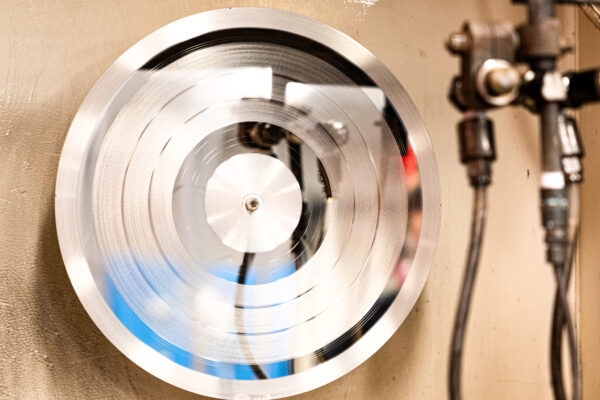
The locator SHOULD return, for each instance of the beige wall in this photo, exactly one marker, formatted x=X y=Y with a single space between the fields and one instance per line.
x=589 y=271
x=51 y=53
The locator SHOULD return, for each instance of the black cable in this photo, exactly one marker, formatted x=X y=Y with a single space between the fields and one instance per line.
x=244 y=266
x=558 y=320
x=558 y=323
x=566 y=316
x=258 y=371
x=462 y=313
x=558 y=386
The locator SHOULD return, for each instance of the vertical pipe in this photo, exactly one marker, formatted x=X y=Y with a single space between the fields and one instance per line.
x=551 y=147
x=540 y=9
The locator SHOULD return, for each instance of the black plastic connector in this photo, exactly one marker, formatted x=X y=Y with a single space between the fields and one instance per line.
x=555 y=214
x=584 y=88
x=477 y=149
x=572 y=149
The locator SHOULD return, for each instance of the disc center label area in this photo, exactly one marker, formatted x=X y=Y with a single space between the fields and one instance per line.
x=253 y=202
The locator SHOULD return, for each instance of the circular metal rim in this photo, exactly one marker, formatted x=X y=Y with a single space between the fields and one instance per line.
x=88 y=120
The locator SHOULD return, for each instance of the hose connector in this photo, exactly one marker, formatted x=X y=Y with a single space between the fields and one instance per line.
x=555 y=216
x=572 y=149
x=477 y=149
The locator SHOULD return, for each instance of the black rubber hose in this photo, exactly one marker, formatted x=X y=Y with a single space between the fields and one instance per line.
x=462 y=313
x=260 y=374
x=244 y=268
x=558 y=321
x=568 y=321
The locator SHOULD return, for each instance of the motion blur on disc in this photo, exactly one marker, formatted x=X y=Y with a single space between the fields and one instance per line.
x=247 y=204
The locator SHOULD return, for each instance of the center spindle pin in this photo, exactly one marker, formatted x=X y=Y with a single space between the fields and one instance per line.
x=252 y=203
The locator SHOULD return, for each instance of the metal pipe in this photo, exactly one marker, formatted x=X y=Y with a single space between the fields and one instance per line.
x=539 y=10
x=542 y=9
x=551 y=146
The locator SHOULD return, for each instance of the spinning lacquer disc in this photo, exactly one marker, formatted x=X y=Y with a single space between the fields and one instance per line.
x=247 y=203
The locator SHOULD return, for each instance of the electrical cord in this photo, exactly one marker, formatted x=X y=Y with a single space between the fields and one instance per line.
x=564 y=304
x=477 y=151
x=559 y=321
x=244 y=267
x=462 y=314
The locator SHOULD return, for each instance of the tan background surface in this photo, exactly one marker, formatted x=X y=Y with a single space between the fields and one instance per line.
x=52 y=52
x=589 y=273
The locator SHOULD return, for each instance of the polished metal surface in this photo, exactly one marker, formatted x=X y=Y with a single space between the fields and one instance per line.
x=247 y=204
x=253 y=202
x=497 y=82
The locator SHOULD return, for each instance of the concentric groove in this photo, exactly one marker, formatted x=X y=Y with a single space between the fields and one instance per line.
x=164 y=285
